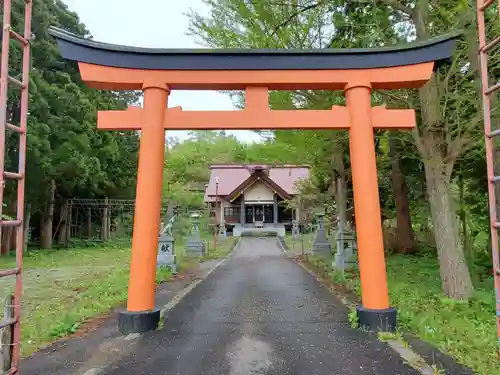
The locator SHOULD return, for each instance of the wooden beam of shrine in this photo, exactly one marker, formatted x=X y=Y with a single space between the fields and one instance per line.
x=177 y=119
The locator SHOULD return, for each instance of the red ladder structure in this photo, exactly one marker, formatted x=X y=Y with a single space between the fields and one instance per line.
x=5 y=79
x=489 y=133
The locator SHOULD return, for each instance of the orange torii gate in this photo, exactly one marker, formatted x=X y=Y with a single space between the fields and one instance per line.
x=157 y=72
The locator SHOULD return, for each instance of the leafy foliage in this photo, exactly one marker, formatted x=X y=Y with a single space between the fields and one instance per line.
x=63 y=143
x=449 y=108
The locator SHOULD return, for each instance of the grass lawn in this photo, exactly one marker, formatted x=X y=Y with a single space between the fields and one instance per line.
x=62 y=288
x=304 y=242
x=466 y=330
x=222 y=249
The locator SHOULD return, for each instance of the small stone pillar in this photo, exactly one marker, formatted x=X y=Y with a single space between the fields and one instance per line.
x=340 y=251
x=195 y=247
x=321 y=246
x=345 y=254
x=351 y=260
x=295 y=229
x=166 y=253
x=222 y=229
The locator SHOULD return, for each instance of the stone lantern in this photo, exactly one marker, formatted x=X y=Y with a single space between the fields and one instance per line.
x=321 y=246
x=195 y=247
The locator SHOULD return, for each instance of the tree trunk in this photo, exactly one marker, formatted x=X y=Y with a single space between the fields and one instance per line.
x=338 y=187
x=27 y=219
x=104 y=221
x=405 y=237
x=463 y=220
x=433 y=146
x=69 y=218
x=454 y=271
x=5 y=245
x=89 y=222
x=47 y=219
x=108 y=224
x=341 y=201
x=13 y=237
x=455 y=274
x=63 y=227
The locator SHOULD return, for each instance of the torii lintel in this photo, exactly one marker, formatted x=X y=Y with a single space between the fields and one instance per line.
x=256 y=115
x=178 y=119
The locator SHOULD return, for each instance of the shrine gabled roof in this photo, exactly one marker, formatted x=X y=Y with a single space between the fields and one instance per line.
x=231 y=176
x=73 y=47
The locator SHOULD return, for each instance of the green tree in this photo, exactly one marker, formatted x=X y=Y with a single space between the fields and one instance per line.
x=66 y=156
x=187 y=165
x=448 y=107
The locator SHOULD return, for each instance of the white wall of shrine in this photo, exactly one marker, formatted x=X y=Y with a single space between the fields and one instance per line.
x=259 y=192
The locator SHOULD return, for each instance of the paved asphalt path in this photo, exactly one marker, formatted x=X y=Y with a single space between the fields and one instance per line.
x=260 y=313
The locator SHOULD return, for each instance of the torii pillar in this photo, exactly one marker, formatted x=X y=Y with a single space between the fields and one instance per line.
x=375 y=310
x=355 y=71
x=141 y=314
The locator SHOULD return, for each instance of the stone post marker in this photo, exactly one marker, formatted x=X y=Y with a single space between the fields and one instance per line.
x=321 y=245
x=295 y=229
x=340 y=256
x=166 y=252
x=195 y=247
x=345 y=254
x=351 y=256
x=222 y=229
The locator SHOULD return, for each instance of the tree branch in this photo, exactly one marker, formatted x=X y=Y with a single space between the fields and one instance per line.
x=394 y=97
x=418 y=141
x=296 y=14
x=395 y=4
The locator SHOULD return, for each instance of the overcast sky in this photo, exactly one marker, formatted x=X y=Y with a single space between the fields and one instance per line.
x=156 y=24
